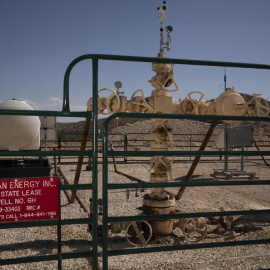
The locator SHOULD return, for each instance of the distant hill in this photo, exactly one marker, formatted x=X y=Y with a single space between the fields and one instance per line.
x=77 y=128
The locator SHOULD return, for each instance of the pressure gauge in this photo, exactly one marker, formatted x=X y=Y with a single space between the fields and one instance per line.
x=118 y=84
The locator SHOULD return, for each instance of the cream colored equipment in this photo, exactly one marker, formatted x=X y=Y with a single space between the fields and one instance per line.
x=18 y=132
x=227 y=103
x=159 y=201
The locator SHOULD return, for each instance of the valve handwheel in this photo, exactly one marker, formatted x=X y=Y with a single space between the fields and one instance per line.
x=143 y=102
x=109 y=101
x=195 y=92
x=196 y=103
x=169 y=80
x=259 y=105
x=138 y=233
x=194 y=229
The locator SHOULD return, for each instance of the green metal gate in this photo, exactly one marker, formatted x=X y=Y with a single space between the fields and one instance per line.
x=92 y=185
x=106 y=187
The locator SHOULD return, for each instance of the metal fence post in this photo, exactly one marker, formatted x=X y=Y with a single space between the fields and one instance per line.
x=125 y=145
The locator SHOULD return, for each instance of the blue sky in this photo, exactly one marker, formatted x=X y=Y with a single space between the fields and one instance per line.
x=40 y=38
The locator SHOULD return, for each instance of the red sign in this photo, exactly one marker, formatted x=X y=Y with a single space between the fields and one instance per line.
x=29 y=199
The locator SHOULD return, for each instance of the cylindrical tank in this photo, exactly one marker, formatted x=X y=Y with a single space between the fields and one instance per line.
x=228 y=103
x=18 y=132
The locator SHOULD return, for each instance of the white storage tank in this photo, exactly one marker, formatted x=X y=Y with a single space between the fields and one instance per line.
x=18 y=132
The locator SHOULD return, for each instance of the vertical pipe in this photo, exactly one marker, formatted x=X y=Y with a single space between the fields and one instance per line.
x=59 y=234
x=226 y=158
x=105 y=201
x=95 y=162
x=59 y=147
x=125 y=145
x=242 y=159
x=190 y=145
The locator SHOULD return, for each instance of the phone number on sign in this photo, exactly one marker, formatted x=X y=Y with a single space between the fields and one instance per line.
x=10 y=209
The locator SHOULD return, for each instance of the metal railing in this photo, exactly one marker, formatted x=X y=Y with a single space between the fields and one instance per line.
x=132 y=140
x=106 y=187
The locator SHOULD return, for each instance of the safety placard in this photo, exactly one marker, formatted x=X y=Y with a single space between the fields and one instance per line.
x=29 y=199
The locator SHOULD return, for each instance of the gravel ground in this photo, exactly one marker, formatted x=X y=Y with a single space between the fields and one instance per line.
x=76 y=238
